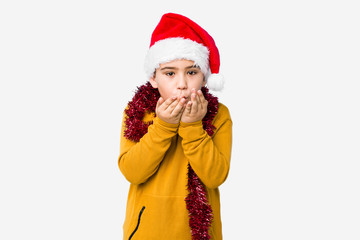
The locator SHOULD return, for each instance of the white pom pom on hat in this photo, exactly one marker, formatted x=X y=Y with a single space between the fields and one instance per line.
x=178 y=37
x=215 y=82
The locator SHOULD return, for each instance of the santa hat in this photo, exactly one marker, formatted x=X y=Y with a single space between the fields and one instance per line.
x=178 y=37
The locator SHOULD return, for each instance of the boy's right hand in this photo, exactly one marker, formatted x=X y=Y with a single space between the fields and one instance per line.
x=170 y=110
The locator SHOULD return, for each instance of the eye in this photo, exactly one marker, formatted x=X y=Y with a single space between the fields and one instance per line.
x=192 y=72
x=169 y=74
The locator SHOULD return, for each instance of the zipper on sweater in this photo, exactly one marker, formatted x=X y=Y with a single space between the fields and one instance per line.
x=137 y=226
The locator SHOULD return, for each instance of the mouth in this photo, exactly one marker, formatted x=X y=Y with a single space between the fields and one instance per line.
x=186 y=98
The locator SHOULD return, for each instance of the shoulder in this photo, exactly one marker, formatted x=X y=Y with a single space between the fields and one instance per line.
x=223 y=111
x=222 y=115
x=148 y=116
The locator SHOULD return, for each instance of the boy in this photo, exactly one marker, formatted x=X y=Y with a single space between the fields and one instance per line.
x=176 y=138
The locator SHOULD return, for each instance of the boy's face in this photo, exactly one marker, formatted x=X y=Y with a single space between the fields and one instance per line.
x=177 y=78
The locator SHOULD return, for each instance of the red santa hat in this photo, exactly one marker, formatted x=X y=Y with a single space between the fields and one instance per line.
x=178 y=37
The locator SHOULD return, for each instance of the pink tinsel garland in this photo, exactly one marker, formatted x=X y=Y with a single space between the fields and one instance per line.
x=144 y=100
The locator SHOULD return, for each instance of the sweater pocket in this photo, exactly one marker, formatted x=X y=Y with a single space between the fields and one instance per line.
x=164 y=218
x=138 y=222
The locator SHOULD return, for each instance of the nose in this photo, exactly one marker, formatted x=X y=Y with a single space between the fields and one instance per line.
x=181 y=82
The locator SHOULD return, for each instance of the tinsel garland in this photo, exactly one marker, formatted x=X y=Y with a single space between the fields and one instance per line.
x=144 y=100
x=197 y=204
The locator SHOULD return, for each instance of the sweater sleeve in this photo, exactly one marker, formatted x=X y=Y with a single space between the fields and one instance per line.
x=140 y=160
x=209 y=156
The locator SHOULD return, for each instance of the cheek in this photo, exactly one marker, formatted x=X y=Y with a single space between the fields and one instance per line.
x=197 y=83
x=167 y=91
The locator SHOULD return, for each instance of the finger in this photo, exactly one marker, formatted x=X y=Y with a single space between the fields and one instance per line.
x=168 y=102
x=159 y=102
x=183 y=110
x=179 y=107
x=194 y=107
x=198 y=101
x=188 y=107
x=201 y=96
x=172 y=106
x=204 y=102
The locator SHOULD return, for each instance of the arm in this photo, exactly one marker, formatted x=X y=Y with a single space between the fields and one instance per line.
x=209 y=156
x=140 y=160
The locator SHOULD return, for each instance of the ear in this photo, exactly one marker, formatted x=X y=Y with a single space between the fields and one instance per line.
x=153 y=82
x=204 y=82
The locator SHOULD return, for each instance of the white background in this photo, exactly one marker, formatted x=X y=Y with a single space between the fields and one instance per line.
x=68 y=68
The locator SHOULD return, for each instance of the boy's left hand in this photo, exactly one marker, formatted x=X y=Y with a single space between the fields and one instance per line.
x=195 y=109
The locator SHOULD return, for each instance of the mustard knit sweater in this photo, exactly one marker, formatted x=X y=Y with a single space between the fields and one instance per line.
x=156 y=168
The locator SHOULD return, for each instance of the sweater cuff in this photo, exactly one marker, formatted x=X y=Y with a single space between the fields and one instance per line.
x=166 y=127
x=191 y=131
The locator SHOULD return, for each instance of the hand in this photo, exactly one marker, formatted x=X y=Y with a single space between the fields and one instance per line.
x=170 y=111
x=195 y=109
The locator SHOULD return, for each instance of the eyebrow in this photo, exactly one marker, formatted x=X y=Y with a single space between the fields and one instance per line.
x=171 y=68
x=193 y=66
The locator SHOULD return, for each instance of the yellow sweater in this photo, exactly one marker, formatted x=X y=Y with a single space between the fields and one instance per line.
x=156 y=168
